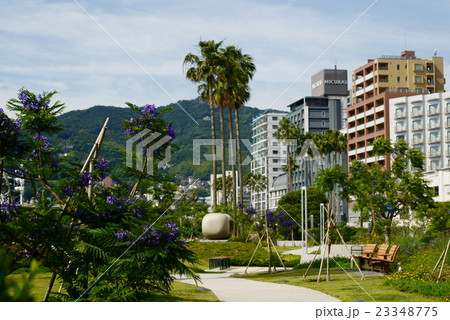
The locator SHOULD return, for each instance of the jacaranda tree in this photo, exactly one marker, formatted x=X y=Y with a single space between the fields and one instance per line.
x=110 y=245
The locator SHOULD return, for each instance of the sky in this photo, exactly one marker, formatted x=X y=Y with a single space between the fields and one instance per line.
x=108 y=52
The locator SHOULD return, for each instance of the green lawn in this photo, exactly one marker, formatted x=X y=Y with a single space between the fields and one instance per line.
x=181 y=291
x=345 y=287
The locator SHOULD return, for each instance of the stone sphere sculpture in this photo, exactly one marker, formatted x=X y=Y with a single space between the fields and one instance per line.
x=216 y=226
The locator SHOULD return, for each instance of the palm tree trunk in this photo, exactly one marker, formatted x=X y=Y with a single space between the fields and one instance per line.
x=224 y=176
x=214 y=151
x=239 y=154
x=233 y=167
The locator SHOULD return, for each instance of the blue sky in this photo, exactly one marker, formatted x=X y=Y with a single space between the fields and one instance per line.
x=134 y=50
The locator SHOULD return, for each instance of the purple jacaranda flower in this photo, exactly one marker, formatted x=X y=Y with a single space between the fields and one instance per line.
x=121 y=234
x=85 y=178
x=102 y=164
x=67 y=190
x=149 y=111
x=170 y=132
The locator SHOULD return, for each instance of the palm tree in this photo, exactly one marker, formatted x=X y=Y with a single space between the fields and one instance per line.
x=288 y=131
x=204 y=69
x=239 y=70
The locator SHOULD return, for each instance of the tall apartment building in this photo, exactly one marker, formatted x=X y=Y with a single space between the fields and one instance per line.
x=423 y=121
x=318 y=113
x=268 y=154
x=374 y=84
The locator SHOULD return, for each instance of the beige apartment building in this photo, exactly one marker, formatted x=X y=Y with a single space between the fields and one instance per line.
x=373 y=84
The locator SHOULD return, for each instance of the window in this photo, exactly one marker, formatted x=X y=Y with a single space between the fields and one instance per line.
x=447 y=107
x=398 y=79
x=417 y=67
x=417 y=138
x=418 y=79
x=401 y=137
x=400 y=126
x=274 y=126
x=448 y=150
x=275 y=169
x=434 y=136
x=433 y=108
x=399 y=112
x=274 y=151
x=433 y=123
x=274 y=160
x=417 y=124
x=448 y=122
x=274 y=118
x=435 y=151
x=434 y=164
x=416 y=110
x=398 y=68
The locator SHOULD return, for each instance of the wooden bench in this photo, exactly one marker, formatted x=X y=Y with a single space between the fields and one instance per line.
x=219 y=262
x=366 y=255
x=383 y=261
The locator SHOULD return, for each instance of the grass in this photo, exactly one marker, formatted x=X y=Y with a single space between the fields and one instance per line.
x=181 y=292
x=239 y=253
x=345 y=287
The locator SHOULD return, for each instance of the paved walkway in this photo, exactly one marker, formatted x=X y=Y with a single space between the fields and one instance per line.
x=337 y=250
x=231 y=289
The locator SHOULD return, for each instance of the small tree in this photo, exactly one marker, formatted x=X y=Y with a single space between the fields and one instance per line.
x=383 y=194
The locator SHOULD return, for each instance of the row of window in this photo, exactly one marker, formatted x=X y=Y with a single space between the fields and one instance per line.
x=433 y=137
x=417 y=110
x=418 y=124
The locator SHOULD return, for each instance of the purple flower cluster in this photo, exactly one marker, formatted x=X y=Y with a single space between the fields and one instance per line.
x=250 y=210
x=9 y=209
x=152 y=236
x=102 y=164
x=148 y=112
x=68 y=190
x=170 y=132
x=85 y=178
x=9 y=130
x=32 y=102
x=45 y=145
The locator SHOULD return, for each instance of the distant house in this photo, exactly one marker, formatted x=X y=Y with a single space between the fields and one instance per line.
x=206 y=118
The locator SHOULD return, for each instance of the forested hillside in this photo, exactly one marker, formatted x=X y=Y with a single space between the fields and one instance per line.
x=83 y=126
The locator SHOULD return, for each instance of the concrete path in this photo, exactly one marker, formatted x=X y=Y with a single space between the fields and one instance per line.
x=337 y=250
x=231 y=289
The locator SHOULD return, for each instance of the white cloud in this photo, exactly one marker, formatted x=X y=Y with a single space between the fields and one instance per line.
x=50 y=44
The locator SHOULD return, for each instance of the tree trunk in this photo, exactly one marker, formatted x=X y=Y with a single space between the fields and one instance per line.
x=214 y=151
x=239 y=153
x=387 y=232
x=233 y=168
x=224 y=176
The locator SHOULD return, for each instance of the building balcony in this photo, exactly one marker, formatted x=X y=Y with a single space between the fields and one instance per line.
x=380 y=120
x=369 y=88
x=351 y=130
x=361 y=150
x=370 y=124
x=351 y=119
x=379 y=108
x=352 y=152
x=359 y=81
x=360 y=116
x=368 y=76
x=360 y=92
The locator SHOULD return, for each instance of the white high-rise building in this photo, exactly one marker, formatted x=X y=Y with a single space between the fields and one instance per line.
x=423 y=121
x=268 y=154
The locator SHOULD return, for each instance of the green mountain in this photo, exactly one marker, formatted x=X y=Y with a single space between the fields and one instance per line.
x=83 y=126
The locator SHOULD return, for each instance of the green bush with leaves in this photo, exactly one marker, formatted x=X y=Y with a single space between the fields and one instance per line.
x=104 y=243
